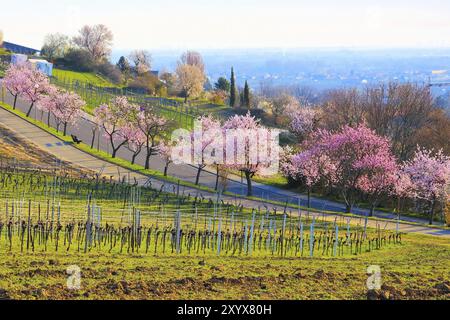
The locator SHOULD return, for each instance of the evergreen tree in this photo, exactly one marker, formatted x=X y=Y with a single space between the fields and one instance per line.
x=222 y=84
x=246 y=95
x=232 y=89
x=124 y=66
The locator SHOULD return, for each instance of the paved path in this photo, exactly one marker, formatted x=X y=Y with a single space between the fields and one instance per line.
x=69 y=153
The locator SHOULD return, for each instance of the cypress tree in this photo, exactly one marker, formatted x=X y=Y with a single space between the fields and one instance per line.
x=232 y=89
x=246 y=95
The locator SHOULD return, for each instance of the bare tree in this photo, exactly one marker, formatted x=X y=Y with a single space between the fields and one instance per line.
x=193 y=58
x=280 y=102
x=97 y=40
x=342 y=107
x=142 y=60
x=55 y=45
x=399 y=111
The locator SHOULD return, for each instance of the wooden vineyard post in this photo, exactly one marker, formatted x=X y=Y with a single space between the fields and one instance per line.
x=311 y=239
x=252 y=229
x=219 y=238
x=178 y=229
x=301 y=239
x=336 y=240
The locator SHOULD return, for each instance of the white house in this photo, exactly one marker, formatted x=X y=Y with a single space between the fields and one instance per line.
x=18 y=58
x=42 y=65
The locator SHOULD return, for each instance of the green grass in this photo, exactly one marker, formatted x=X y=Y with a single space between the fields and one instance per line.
x=277 y=180
x=4 y=52
x=418 y=269
x=89 y=77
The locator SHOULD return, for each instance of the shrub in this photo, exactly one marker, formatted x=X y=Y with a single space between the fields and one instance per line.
x=77 y=60
x=110 y=71
x=148 y=83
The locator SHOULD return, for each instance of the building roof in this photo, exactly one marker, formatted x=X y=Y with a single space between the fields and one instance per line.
x=16 y=48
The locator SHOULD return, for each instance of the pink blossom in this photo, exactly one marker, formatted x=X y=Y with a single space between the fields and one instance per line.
x=428 y=175
x=352 y=160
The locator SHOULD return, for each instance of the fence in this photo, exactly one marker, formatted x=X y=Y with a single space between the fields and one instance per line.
x=183 y=115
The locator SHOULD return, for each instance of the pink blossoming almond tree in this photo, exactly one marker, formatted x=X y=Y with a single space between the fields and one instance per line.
x=17 y=80
x=136 y=140
x=112 y=118
x=205 y=139
x=64 y=106
x=165 y=150
x=252 y=149
x=428 y=178
x=38 y=87
x=302 y=120
x=152 y=126
x=354 y=160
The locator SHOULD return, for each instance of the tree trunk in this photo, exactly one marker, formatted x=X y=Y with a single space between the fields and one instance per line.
x=48 y=119
x=197 y=178
x=433 y=206
x=249 y=184
x=15 y=100
x=29 y=110
x=65 y=128
x=93 y=139
x=217 y=178
x=114 y=152
x=166 y=168
x=372 y=210
x=348 y=208
x=133 y=158
x=309 y=197
x=147 y=159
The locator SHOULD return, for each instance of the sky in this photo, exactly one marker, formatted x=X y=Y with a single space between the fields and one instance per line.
x=212 y=24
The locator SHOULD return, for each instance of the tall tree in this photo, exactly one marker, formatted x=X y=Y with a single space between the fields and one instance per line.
x=232 y=89
x=190 y=80
x=97 y=40
x=55 y=46
x=222 y=84
x=142 y=61
x=246 y=95
x=124 y=66
x=193 y=58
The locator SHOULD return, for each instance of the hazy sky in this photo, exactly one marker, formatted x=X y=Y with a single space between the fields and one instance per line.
x=201 y=24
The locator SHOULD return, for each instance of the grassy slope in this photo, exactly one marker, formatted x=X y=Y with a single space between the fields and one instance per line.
x=92 y=78
x=418 y=269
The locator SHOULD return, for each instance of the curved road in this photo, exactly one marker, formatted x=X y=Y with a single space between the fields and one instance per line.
x=83 y=131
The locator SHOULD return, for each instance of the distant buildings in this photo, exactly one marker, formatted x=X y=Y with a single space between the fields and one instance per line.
x=40 y=64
